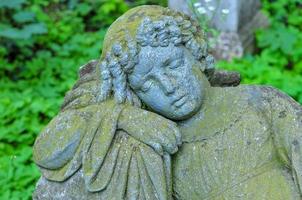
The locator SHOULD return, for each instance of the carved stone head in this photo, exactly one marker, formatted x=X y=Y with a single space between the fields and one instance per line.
x=158 y=57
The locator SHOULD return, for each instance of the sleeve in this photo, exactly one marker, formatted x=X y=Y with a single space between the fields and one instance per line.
x=286 y=116
x=84 y=135
x=114 y=164
x=132 y=171
x=59 y=150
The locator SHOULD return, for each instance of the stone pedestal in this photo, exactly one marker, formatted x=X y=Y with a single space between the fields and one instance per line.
x=235 y=20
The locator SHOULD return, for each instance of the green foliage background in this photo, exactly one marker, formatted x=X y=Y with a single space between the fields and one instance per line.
x=43 y=42
x=278 y=61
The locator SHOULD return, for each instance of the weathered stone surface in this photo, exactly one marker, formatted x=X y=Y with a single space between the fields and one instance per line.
x=247 y=32
x=145 y=122
x=67 y=190
x=227 y=46
x=236 y=26
x=222 y=78
x=239 y=12
x=237 y=148
x=218 y=78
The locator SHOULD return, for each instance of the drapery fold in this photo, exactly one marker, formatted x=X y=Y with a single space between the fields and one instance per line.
x=68 y=140
x=114 y=164
x=84 y=136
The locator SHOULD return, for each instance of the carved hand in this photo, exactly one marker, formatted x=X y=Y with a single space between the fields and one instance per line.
x=150 y=128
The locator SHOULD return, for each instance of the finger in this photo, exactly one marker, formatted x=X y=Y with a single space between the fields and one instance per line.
x=178 y=136
x=173 y=126
x=173 y=149
x=168 y=142
x=167 y=137
x=157 y=148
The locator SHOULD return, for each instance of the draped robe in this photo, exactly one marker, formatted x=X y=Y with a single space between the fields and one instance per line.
x=246 y=144
x=82 y=154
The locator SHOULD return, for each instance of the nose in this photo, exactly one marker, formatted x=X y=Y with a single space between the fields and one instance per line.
x=167 y=83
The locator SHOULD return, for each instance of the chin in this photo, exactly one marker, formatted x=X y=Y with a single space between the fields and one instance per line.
x=186 y=111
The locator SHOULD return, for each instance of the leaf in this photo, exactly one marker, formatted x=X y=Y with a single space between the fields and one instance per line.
x=286 y=38
x=35 y=28
x=295 y=18
x=25 y=33
x=13 y=33
x=24 y=16
x=84 y=8
x=11 y=3
x=106 y=8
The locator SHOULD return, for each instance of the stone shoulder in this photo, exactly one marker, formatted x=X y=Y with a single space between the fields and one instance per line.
x=265 y=99
x=264 y=92
x=280 y=104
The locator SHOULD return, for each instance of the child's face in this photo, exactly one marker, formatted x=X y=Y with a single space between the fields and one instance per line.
x=167 y=80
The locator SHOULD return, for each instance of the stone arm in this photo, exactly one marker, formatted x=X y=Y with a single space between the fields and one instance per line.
x=286 y=116
x=120 y=150
x=114 y=163
x=161 y=134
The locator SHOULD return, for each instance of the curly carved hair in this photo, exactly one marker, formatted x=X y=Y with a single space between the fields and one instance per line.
x=172 y=27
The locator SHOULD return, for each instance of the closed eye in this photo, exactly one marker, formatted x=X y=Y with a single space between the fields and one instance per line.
x=176 y=63
x=146 y=85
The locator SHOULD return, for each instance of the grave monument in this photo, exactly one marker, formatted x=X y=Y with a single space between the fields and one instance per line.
x=152 y=119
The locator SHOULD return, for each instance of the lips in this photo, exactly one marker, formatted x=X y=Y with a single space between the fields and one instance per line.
x=180 y=101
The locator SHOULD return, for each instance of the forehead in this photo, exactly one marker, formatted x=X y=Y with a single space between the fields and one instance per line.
x=152 y=57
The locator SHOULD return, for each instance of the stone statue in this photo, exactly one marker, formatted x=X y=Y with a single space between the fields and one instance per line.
x=146 y=122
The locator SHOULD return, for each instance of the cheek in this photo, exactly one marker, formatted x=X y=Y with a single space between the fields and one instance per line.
x=155 y=99
x=197 y=89
x=190 y=84
x=197 y=84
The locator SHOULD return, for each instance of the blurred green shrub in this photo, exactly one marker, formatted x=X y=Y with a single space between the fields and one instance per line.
x=278 y=61
x=42 y=45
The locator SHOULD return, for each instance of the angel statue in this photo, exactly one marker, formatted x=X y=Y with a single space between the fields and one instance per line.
x=147 y=122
